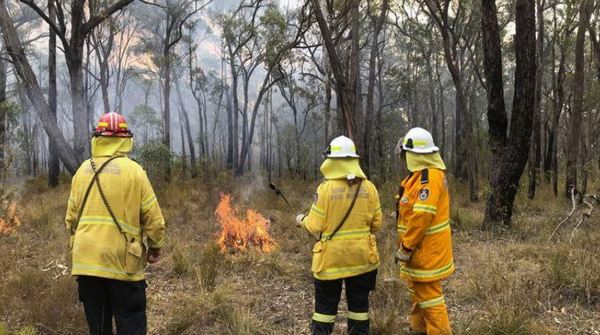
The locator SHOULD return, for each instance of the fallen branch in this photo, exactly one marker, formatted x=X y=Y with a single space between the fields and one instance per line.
x=585 y=200
x=568 y=216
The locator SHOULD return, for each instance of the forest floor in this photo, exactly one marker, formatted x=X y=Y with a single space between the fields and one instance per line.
x=510 y=282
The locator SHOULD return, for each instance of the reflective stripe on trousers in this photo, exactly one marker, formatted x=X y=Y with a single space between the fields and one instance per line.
x=327 y=298
x=429 y=313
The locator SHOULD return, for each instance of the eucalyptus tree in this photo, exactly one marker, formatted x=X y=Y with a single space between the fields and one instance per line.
x=256 y=34
x=575 y=130
x=162 y=34
x=509 y=144
x=23 y=68
x=452 y=19
x=73 y=25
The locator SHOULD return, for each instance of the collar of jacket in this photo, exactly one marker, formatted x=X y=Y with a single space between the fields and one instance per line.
x=342 y=168
x=417 y=162
x=109 y=146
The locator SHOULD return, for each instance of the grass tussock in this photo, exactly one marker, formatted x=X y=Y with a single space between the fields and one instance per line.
x=575 y=276
x=213 y=313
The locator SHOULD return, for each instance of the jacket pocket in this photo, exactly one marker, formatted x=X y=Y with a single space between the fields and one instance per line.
x=318 y=260
x=373 y=252
x=135 y=257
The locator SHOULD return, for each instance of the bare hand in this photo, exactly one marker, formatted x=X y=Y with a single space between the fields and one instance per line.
x=153 y=255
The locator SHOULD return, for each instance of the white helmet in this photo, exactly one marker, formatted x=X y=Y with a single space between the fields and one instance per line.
x=419 y=141
x=341 y=147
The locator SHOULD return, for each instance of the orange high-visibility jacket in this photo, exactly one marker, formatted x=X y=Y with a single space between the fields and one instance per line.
x=424 y=226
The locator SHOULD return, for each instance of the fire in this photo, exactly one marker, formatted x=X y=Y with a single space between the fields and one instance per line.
x=238 y=234
x=11 y=221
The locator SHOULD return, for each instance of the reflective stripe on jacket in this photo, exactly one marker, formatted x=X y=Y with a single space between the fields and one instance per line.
x=424 y=226
x=99 y=248
x=353 y=249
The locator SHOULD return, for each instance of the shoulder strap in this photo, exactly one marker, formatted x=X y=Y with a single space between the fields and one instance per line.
x=87 y=192
x=105 y=201
x=425 y=176
x=347 y=213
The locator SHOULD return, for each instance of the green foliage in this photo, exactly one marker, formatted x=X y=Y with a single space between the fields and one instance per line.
x=144 y=120
x=29 y=330
x=155 y=157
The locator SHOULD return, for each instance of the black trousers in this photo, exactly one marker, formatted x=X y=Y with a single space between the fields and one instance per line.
x=327 y=299
x=104 y=299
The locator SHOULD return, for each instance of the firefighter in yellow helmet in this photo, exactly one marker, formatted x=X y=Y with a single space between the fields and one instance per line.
x=111 y=209
x=425 y=243
x=345 y=216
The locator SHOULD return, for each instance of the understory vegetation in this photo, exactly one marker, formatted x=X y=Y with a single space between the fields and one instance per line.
x=507 y=282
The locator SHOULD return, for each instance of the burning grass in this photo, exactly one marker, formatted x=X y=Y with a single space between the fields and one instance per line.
x=11 y=221
x=241 y=234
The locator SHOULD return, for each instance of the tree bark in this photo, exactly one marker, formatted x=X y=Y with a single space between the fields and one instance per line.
x=53 y=161
x=465 y=159
x=34 y=92
x=3 y=110
x=575 y=130
x=370 y=108
x=509 y=154
x=342 y=85
x=535 y=152
x=188 y=131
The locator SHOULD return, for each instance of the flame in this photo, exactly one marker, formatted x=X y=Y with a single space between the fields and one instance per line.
x=238 y=234
x=11 y=221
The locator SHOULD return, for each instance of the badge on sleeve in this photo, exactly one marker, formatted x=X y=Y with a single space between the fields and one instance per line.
x=424 y=194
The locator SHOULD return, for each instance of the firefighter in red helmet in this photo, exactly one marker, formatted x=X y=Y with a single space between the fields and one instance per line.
x=112 y=209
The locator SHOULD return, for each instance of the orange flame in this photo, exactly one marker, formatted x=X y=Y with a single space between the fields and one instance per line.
x=237 y=234
x=11 y=221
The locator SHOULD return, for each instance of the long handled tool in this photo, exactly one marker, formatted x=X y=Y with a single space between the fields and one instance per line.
x=293 y=211
x=280 y=194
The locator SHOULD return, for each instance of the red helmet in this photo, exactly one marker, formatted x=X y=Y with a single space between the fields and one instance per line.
x=112 y=125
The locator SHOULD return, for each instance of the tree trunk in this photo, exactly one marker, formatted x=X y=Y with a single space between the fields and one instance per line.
x=465 y=158
x=442 y=108
x=188 y=131
x=230 y=134
x=342 y=84
x=377 y=26
x=53 y=162
x=3 y=110
x=167 y=99
x=535 y=152
x=354 y=77
x=23 y=68
x=247 y=145
x=574 y=134
x=509 y=155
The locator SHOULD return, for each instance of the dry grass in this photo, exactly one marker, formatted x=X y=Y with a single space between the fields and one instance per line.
x=513 y=282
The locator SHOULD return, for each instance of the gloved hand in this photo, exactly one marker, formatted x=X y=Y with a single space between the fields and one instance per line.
x=299 y=219
x=153 y=255
x=402 y=257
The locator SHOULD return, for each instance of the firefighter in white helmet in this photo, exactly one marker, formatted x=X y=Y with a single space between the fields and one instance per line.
x=424 y=243
x=346 y=215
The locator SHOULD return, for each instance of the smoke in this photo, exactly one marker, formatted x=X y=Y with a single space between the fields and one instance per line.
x=254 y=184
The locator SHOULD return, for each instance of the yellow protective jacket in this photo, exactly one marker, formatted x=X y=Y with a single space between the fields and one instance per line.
x=98 y=247
x=424 y=226
x=353 y=249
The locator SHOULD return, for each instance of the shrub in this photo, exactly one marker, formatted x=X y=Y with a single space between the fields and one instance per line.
x=156 y=159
